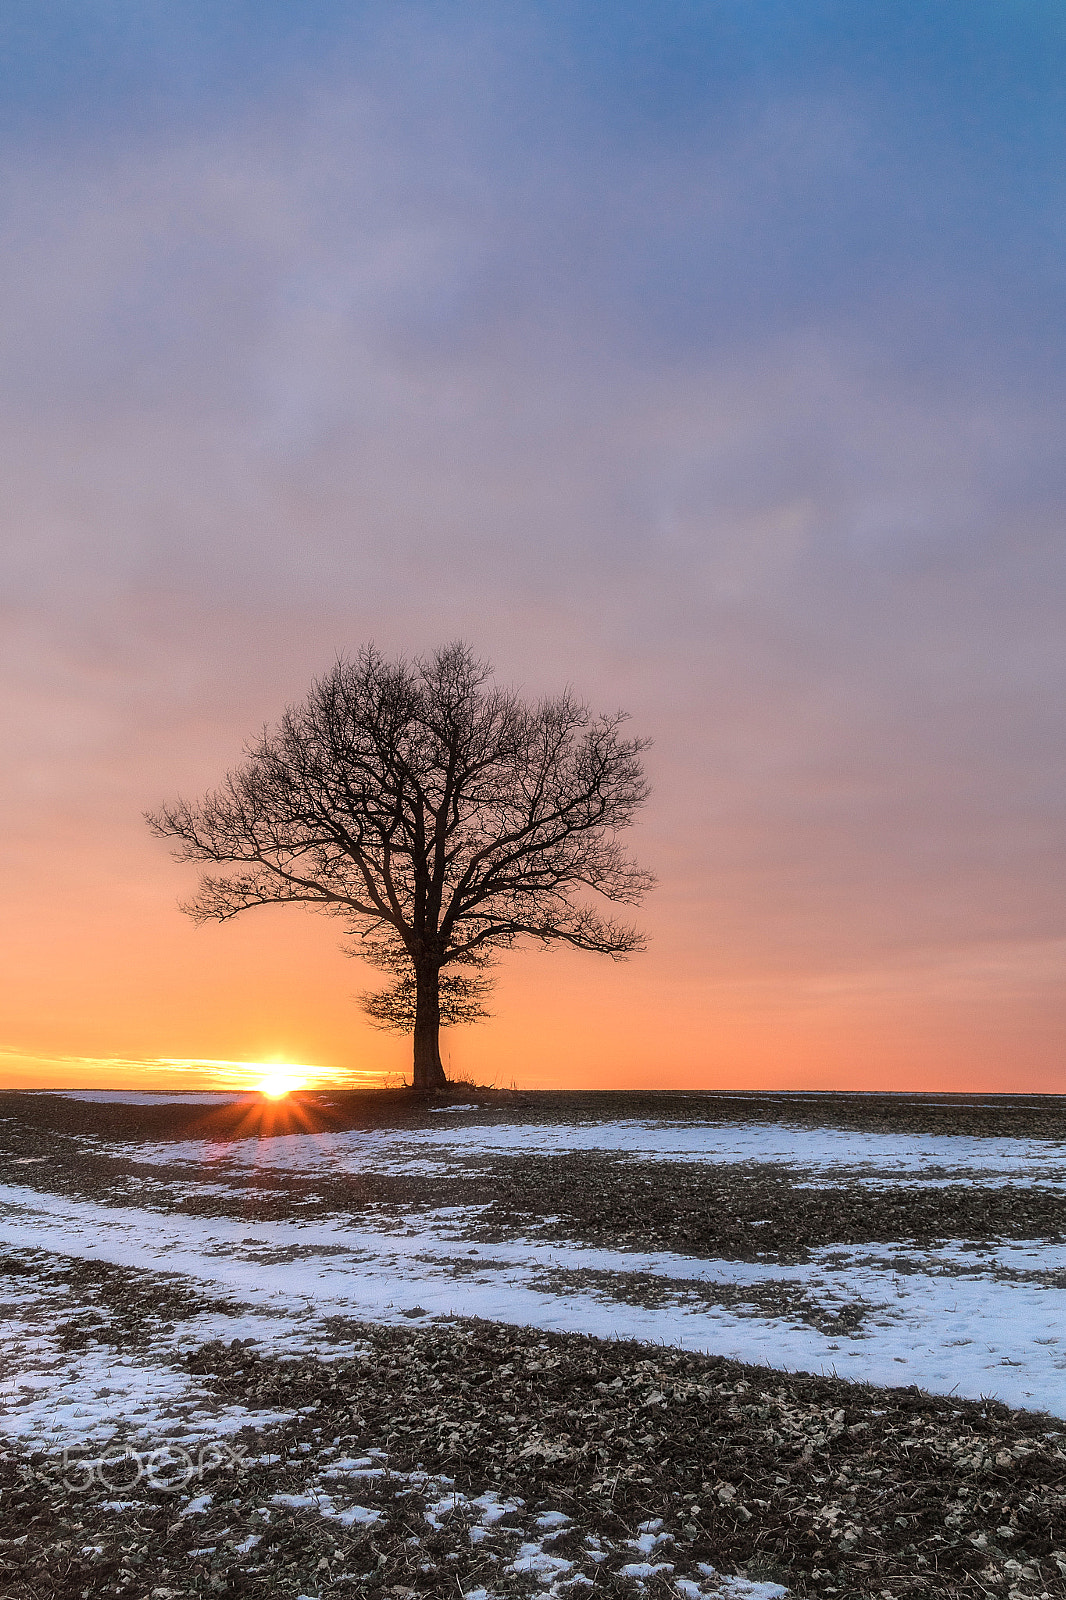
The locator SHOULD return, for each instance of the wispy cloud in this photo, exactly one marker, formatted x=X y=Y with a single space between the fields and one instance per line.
x=21 y=1068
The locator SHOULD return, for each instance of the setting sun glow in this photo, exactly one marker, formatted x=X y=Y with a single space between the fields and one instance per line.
x=279 y=1082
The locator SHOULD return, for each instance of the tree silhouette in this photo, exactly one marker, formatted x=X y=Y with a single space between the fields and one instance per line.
x=440 y=817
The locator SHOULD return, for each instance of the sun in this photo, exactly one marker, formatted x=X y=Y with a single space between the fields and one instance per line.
x=280 y=1081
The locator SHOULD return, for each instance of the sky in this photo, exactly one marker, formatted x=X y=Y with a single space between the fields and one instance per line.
x=707 y=357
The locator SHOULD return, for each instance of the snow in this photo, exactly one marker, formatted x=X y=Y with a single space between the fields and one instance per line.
x=130 y=1097
x=533 y=1558
x=951 y=1319
x=873 y=1157
x=649 y=1538
x=325 y=1507
x=83 y=1399
x=973 y=1335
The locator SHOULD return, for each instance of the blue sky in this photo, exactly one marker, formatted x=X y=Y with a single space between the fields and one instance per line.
x=709 y=357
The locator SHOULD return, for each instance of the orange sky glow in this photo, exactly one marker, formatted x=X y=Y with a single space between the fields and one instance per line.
x=141 y=998
x=704 y=361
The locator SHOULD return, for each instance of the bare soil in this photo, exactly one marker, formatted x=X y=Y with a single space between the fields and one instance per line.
x=827 y=1487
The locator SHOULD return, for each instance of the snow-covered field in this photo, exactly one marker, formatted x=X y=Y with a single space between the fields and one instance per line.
x=874 y=1156
x=975 y=1316
x=975 y=1321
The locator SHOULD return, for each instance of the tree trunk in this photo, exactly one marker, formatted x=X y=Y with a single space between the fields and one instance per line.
x=428 y=1070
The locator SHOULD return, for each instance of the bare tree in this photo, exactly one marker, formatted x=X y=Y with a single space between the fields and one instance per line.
x=439 y=817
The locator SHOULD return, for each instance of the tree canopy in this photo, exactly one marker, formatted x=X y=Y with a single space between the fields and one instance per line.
x=439 y=816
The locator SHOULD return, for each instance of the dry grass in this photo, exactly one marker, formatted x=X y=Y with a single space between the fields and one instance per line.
x=828 y=1487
